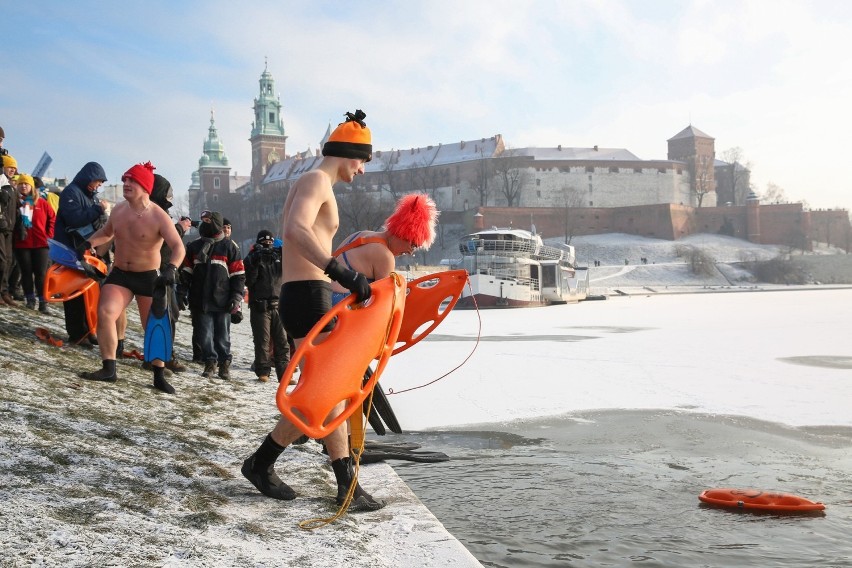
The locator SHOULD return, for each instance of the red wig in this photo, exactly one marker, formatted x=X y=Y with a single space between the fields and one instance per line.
x=414 y=220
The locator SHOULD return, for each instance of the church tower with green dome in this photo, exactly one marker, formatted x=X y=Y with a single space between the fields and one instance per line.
x=267 y=131
x=212 y=180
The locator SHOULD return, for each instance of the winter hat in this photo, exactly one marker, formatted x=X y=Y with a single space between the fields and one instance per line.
x=143 y=174
x=264 y=237
x=215 y=219
x=162 y=193
x=225 y=222
x=9 y=162
x=351 y=139
x=414 y=220
x=25 y=178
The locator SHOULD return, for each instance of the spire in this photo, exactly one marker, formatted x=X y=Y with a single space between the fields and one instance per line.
x=214 y=149
x=267 y=107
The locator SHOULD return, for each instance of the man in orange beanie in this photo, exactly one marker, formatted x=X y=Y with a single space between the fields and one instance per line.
x=309 y=222
x=139 y=231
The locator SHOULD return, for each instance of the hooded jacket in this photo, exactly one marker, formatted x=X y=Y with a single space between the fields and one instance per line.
x=212 y=275
x=78 y=207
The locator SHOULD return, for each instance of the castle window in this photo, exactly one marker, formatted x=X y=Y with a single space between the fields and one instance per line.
x=216 y=183
x=661 y=170
x=637 y=170
x=592 y=204
x=613 y=170
x=537 y=182
x=272 y=117
x=590 y=170
x=679 y=171
x=538 y=193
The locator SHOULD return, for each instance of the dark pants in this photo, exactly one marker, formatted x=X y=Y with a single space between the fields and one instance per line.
x=214 y=335
x=75 y=319
x=33 y=263
x=268 y=332
x=7 y=258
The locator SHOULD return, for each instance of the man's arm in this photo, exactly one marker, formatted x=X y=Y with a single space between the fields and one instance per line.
x=173 y=240
x=103 y=235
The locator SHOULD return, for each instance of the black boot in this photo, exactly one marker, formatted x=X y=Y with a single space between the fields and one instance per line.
x=259 y=468
x=119 y=349
x=160 y=382
x=106 y=373
x=209 y=368
x=361 y=500
x=224 y=370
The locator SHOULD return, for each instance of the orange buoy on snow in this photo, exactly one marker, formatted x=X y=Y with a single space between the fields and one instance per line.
x=333 y=367
x=757 y=500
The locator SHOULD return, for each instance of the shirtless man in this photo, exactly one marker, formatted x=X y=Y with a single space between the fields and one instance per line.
x=139 y=231
x=309 y=223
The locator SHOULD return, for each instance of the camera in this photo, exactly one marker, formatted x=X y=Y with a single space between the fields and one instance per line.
x=191 y=222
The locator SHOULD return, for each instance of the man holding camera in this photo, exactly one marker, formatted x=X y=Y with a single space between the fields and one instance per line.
x=263 y=279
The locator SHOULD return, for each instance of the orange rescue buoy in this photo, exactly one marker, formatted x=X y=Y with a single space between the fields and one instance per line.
x=757 y=500
x=333 y=367
x=423 y=312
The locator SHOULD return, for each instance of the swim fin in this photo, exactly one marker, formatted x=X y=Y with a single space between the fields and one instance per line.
x=158 y=331
x=378 y=452
x=381 y=408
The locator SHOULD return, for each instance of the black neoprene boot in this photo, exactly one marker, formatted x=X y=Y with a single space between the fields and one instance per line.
x=106 y=373
x=259 y=468
x=361 y=500
x=160 y=382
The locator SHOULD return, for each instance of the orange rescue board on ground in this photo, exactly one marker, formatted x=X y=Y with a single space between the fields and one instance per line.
x=332 y=369
x=757 y=500
x=423 y=304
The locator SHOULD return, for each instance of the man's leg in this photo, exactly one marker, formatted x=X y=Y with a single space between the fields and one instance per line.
x=259 y=319
x=281 y=347
x=222 y=343
x=113 y=300
x=203 y=325
x=157 y=366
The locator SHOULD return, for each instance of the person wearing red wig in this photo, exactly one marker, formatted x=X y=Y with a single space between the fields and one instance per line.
x=373 y=253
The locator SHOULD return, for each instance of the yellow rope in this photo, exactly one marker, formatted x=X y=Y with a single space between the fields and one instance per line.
x=358 y=434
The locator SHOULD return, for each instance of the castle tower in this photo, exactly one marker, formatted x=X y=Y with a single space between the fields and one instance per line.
x=698 y=150
x=213 y=172
x=268 y=141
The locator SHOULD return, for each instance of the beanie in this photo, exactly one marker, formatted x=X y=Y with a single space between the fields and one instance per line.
x=414 y=220
x=225 y=222
x=143 y=174
x=162 y=193
x=215 y=219
x=9 y=162
x=264 y=236
x=351 y=139
x=25 y=178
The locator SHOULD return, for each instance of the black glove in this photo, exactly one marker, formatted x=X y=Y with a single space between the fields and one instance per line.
x=82 y=249
x=167 y=276
x=237 y=316
x=353 y=281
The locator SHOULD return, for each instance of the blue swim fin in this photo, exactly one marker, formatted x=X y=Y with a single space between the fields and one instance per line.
x=158 y=331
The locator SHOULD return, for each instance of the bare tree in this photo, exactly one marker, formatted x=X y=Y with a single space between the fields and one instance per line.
x=774 y=193
x=392 y=179
x=483 y=176
x=359 y=210
x=571 y=199
x=512 y=175
x=701 y=173
x=735 y=185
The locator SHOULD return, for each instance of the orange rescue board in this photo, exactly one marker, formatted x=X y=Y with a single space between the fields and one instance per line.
x=423 y=305
x=332 y=369
x=758 y=500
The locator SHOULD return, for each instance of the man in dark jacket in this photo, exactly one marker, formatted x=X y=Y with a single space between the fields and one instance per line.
x=80 y=214
x=263 y=279
x=8 y=214
x=212 y=282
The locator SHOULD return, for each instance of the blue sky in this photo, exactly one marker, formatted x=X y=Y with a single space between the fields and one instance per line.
x=121 y=83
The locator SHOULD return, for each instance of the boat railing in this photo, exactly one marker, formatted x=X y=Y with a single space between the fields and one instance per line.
x=508 y=274
x=509 y=248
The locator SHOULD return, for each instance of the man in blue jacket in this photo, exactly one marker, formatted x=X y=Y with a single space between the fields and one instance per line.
x=79 y=215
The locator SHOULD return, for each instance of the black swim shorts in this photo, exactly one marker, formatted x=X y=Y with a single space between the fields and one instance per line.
x=140 y=283
x=302 y=305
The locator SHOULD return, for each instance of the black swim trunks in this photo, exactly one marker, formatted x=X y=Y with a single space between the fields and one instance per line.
x=140 y=283
x=302 y=305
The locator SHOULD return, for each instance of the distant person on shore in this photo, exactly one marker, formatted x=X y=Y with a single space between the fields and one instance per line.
x=212 y=282
x=263 y=280
x=8 y=215
x=36 y=223
x=80 y=214
x=139 y=231
x=309 y=222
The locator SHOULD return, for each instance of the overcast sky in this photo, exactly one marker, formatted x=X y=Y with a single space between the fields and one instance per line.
x=124 y=82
